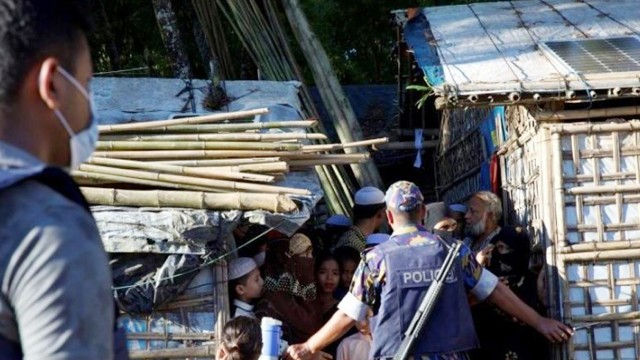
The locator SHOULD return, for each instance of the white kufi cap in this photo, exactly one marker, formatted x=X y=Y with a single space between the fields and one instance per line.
x=369 y=195
x=240 y=267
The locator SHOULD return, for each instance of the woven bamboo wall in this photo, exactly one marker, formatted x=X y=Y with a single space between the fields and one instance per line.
x=598 y=228
x=188 y=326
x=577 y=186
x=521 y=180
x=459 y=154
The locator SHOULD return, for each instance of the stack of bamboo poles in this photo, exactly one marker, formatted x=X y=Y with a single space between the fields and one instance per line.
x=216 y=161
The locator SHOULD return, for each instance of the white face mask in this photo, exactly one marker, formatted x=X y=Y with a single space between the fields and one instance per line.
x=82 y=144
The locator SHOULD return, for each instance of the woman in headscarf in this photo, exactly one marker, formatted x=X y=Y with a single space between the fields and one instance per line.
x=501 y=336
x=439 y=220
x=290 y=290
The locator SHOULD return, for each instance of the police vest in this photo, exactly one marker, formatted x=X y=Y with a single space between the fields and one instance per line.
x=409 y=271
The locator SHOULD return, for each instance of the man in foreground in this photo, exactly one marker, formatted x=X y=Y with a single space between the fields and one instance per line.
x=55 y=281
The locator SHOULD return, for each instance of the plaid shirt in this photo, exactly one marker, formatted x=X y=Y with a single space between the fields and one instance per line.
x=370 y=278
x=353 y=238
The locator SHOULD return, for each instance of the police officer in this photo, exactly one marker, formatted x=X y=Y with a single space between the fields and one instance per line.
x=392 y=279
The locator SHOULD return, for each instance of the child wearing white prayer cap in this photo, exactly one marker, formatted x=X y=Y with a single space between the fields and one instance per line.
x=245 y=285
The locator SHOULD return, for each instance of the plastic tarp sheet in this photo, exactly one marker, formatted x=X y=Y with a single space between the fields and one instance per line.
x=186 y=231
x=493 y=47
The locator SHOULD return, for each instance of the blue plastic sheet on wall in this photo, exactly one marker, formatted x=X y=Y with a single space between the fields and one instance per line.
x=489 y=130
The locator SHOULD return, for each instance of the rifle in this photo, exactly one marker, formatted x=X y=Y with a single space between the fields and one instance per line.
x=428 y=303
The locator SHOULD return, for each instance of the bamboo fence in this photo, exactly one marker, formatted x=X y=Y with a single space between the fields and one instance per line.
x=193 y=163
x=577 y=184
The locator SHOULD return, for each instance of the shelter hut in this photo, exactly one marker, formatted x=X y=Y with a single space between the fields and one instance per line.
x=169 y=263
x=539 y=102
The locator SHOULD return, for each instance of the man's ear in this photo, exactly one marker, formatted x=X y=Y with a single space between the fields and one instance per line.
x=48 y=83
x=390 y=219
x=423 y=212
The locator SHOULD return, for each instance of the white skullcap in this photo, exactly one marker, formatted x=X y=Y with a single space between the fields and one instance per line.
x=458 y=208
x=369 y=195
x=339 y=220
x=240 y=267
x=377 y=238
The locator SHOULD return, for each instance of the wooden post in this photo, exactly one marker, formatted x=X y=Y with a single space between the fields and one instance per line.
x=338 y=105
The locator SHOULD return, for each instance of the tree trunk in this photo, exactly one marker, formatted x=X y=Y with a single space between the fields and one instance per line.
x=208 y=56
x=168 y=23
x=111 y=47
x=332 y=94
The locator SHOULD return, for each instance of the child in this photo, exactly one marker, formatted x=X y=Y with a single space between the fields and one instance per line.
x=356 y=346
x=241 y=340
x=245 y=285
x=327 y=280
x=348 y=260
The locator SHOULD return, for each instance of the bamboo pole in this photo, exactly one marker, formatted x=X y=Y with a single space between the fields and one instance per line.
x=221 y=154
x=191 y=154
x=180 y=179
x=221 y=293
x=593 y=256
x=563 y=115
x=311 y=156
x=277 y=203
x=561 y=291
x=270 y=167
x=305 y=163
x=338 y=105
x=589 y=128
x=601 y=189
x=217 y=137
x=218 y=162
x=195 y=145
x=183 y=121
x=129 y=180
x=211 y=173
x=329 y=147
x=600 y=246
x=212 y=128
x=632 y=315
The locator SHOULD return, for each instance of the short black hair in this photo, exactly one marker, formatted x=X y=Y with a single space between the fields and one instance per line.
x=361 y=212
x=326 y=256
x=346 y=253
x=30 y=30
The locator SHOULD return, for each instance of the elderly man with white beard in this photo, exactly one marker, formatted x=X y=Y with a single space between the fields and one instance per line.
x=484 y=211
x=504 y=251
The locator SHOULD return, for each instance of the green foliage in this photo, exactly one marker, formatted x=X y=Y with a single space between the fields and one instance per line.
x=127 y=37
x=356 y=34
x=427 y=90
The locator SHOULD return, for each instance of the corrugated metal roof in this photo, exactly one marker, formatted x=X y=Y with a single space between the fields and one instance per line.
x=486 y=49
